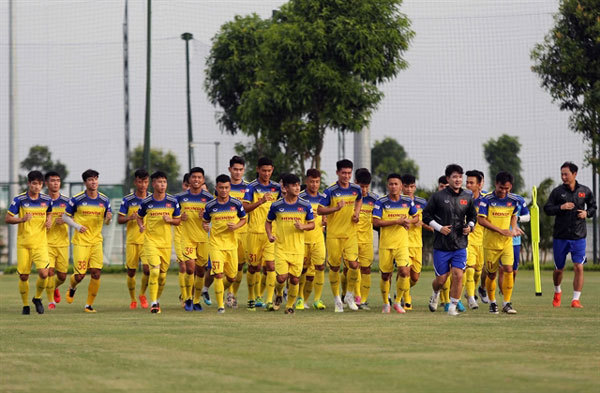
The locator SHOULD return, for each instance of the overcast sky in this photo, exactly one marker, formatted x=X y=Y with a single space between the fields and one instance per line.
x=469 y=80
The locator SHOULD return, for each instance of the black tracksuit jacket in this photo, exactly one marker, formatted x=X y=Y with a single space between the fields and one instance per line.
x=567 y=225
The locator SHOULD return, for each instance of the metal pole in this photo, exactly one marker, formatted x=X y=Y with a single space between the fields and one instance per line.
x=217 y=159
x=362 y=148
x=126 y=98
x=595 y=192
x=13 y=164
x=148 y=85
x=187 y=37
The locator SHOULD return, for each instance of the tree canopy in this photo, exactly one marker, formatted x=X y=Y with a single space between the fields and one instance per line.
x=502 y=154
x=40 y=158
x=388 y=156
x=159 y=161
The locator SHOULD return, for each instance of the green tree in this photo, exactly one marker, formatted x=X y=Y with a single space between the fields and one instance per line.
x=40 y=159
x=314 y=66
x=568 y=63
x=159 y=161
x=388 y=156
x=502 y=154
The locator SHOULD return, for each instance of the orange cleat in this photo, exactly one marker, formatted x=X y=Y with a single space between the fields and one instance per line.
x=556 y=299
x=133 y=305
x=51 y=306
x=143 y=301
x=56 y=295
x=576 y=304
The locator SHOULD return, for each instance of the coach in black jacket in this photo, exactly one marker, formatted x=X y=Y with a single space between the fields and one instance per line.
x=571 y=203
x=452 y=214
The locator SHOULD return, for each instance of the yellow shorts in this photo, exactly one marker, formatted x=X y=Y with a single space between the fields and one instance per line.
x=388 y=255
x=26 y=256
x=342 y=248
x=415 y=256
x=475 y=257
x=87 y=257
x=133 y=255
x=365 y=254
x=59 y=258
x=259 y=249
x=224 y=261
x=195 y=251
x=179 y=251
x=158 y=257
x=286 y=263
x=241 y=247
x=493 y=258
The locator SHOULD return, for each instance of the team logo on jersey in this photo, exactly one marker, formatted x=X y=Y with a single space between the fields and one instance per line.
x=387 y=206
x=464 y=202
x=273 y=189
x=581 y=195
x=493 y=203
x=353 y=192
x=404 y=205
x=150 y=206
x=370 y=203
x=446 y=200
x=63 y=205
x=168 y=205
x=300 y=209
x=281 y=209
x=101 y=204
x=214 y=209
x=185 y=199
x=134 y=204
x=84 y=203
x=337 y=194
x=232 y=208
x=26 y=204
x=203 y=199
x=509 y=204
x=43 y=204
x=563 y=195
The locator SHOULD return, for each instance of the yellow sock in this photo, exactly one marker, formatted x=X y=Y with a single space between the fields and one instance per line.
x=357 y=284
x=153 y=284
x=24 y=291
x=93 y=289
x=270 y=284
x=40 y=287
x=412 y=283
x=279 y=287
x=308 y=286
x=402 y=286
x=445 y=293
x=384 y=285
x=131 y=287
x=301 y=284
x=227 y=284
x=250 y=282
x=263 y=283
x=162 y=281
x=181 y=279
x=344 y=278
x=353 y=275
x=365 y=286
x=189 y=283
x=50 y=288
x=145 y=280
x=58 y=281
x=490 y=286
x=318 y=284
x=238 y=281
x=507 y=286
x=476 y=276
x=470 y=282
x=73 y=282
x=292 y=295
x=198 y=285
x=407 y=296
x=219 y=289
x=334 y=282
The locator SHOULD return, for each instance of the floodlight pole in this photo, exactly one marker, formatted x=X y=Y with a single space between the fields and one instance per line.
x=362 y=149
x=13 y=159
x=126 y=97
x=148 y=86
x=187 y=37
x=595 y=174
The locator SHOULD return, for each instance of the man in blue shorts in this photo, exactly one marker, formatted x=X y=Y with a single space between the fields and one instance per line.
x=571 y=203
x=451 y=213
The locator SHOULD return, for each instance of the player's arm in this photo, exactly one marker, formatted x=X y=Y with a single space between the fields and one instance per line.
x=516 y=231
x=48 y=219
x=590 y=202
x=14 y=219
x=357 y=206
x=553 y=206
x=123 y=218
x=379 y=222
x=71 y=222
x=269 y=230
x=484 y=222
x=234 y=226
x=139 y=218
x=172 y=220
x=429 y=217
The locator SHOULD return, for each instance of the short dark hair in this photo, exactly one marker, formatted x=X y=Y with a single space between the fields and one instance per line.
x=345 y=163
x=186 y=178
x=407 y=178
x=290 y=178
x=504 y=177
x=35 y=175
x=362 y=176
x=141 y=174
x=394 y=176
x=450 y=169
x=89 y=173
x=196 y=169
x=314 y=173
x=572 y=167
x=158 y=175
x=223 y=179
x=476 y=174
x=50 y=174
x=264 y=161
x=442 y=180
x=237 y=160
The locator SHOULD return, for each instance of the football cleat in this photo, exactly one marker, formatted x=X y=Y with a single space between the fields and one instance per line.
x=26 y=310
x=206 y=298
x=319 y=305
x=188 y=305
x=493 y=308
x=289 y=311
x=576 y=304
x=483 y=295
x=385 y=309
x=433 y=303
x=70 y=295
x=398 y=308
x=52 y=306
x=251 y=306
x=133 y=305
x=278 y=301
x=197 y=307
x=155 y=309
x=349 y=300
x=89 y=309
x=56 y=295
x=508 y=309
x=270 y=307
x=143 y=301
x=39 y=307
x=556 y=299
x=221 y=310
x=460 y=307
x=299 y=304
x=259 y=302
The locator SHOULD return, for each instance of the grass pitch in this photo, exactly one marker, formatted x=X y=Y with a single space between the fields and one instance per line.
x=541 y=349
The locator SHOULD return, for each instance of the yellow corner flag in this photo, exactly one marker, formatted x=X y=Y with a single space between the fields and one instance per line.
x=535 y=241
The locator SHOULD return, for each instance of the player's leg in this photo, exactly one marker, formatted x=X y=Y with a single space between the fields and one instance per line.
x=271 y=276
x=295 y=262
x=302 y=285
x=208 y=280
x=51 y=280
x=401 y=256
x=132 y=258
x=217 y=261
x=386 y=267
x=350 y=256
x=560 y=248
x=334 y=249
x=201 y=251
x=165 y=262
x=458 y=264
x=24 y=262
x=40 y=258
x=153 y=259
x=577 y=249
x=282 y=270
x=507 y=261
x=469 y=277
x=95 y=266
x=61 y=267
x=416 y=263
x=492 y=263
x=517 y=260
x=81 y=255
x=254 y=265
x=441 y=267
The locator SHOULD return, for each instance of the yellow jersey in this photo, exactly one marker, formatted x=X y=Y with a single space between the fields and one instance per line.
x=499 y=212
x=193 y=205
x=58 y=234
x=339 y=223
x=289 y=239
x=364 y=229
x=131 y=204
x=219 y=214
x=255 y=191
x=314 y=235
x=158 y=231
x=415 y=231
x=31 y=233
x=89 y=212
x=393 y=236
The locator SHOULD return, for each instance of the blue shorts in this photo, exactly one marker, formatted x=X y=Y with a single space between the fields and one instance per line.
x=563 y=246
x=517 y=253
x=444 y=260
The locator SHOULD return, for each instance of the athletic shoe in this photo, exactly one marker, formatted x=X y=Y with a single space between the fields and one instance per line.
x=285 y=293
x=133 y=305
x=401 y=301
x=349 y=300
x=390 y=300
x=251 y=306
x=357 y=300
x=143 y=301
x=364 y=306
x=493 y=308
x=89 y=309
x=197 y=307
x=556 y=299
x=453 y=312
x=188 y=305
x=398 y=308
x=155 y=309
x=259 y=302
x=339 y=306
x=460 y=307
x=39 y=307
x=483 y=295
x=206 y=298
x=299 y=304
x=221 y=310
x=407 y=306
x=51 y=306
x=473 y=304
x=56 y=295
x=446 y=306
x=508 y=309
x=433 y=303
x=26 y=310
x=576 y=304
x=278 y=301
x=234 y=302
x=70 y=295
x=270 y=307
x=319 y=305
x=385 y=309
x=229 y=301
x=289 y=311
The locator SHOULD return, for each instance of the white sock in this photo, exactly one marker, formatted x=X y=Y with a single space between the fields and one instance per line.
x=337 y=299
x=557 y=289
x=453 y=301
x=452 y=307
x=204 y=289
x=435 y=293
x=471 y=298
x=576 y=295
x=504 y=304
